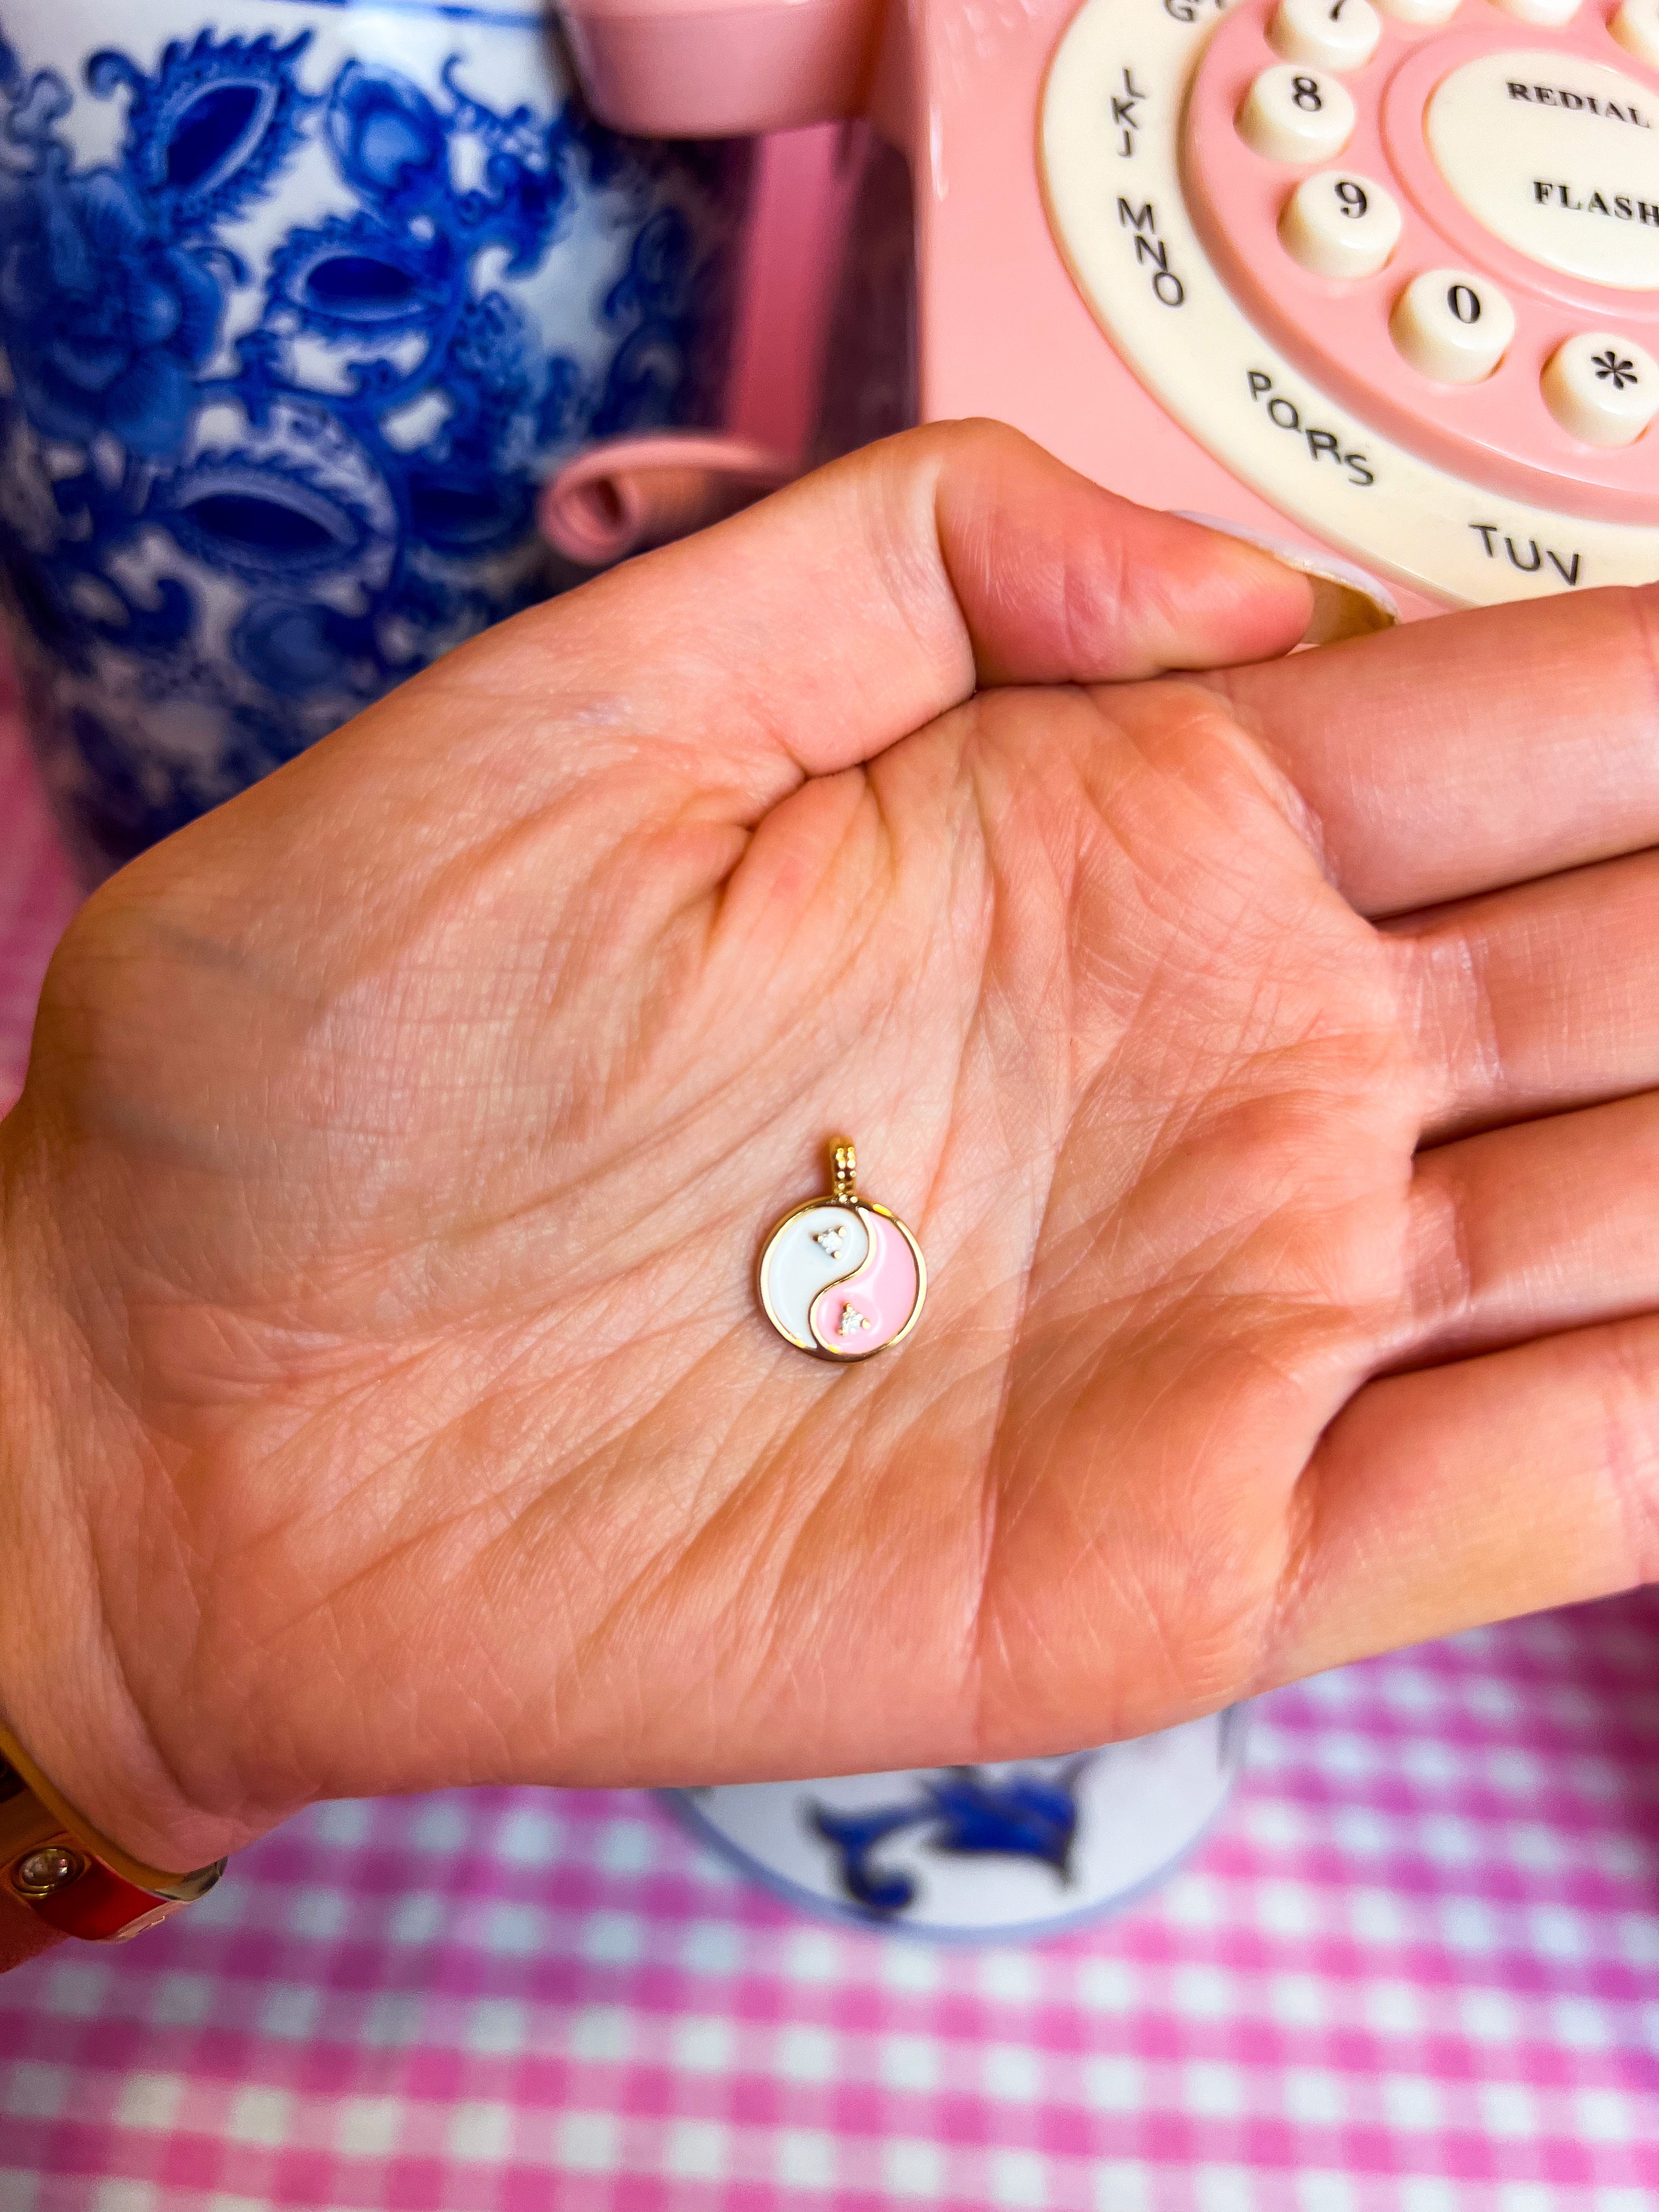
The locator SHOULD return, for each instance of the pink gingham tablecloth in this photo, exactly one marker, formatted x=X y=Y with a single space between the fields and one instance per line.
x=1416 y=1970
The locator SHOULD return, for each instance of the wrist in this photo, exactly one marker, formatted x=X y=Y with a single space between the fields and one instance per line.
x=65 y=1681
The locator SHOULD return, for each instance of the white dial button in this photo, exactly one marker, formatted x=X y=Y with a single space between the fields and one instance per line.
x=1338 y=34
x=1549 y=15
x=1603 y=388
x=1419 y=11
x=1636 y=27
x=1340 y=225
x=1453 y=326
x=1558 y=157
x=1294 y=114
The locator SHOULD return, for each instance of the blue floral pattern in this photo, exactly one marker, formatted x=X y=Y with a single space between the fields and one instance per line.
x=253 y=473
x=105 y=323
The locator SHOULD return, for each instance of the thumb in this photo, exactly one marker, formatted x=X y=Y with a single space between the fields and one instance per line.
x=809 y=632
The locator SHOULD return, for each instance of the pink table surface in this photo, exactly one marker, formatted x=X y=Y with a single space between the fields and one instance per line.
x=1416 y=1970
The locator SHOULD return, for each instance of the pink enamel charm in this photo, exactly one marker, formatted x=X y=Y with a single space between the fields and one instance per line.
x=841 y=1277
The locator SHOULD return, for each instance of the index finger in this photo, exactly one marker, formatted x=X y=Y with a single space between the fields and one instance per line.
x=1473 y=750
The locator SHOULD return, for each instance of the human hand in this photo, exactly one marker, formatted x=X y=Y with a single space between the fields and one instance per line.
x=387 y=1404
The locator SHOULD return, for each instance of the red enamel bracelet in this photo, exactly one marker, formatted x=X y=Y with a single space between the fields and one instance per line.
x=68 y=1875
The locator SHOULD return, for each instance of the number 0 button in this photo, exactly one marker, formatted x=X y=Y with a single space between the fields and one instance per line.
x=1293 y=114
x=1452 y=326
x=1340 y=226
x=1601 y=388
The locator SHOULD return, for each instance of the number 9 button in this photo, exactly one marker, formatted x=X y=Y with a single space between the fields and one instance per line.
x=1340 y=225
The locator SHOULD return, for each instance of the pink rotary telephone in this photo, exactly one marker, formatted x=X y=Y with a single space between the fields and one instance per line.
x=1378 y=276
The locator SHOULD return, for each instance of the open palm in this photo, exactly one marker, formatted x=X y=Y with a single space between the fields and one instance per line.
x=382 y=1211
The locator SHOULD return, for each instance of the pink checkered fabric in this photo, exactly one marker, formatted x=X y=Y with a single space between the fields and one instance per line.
x=1417 y=1970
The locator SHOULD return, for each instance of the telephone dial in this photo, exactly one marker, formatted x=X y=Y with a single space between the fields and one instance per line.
x=1380 y=275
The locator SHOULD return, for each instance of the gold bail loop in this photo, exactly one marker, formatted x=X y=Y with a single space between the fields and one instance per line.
x=847 y=1172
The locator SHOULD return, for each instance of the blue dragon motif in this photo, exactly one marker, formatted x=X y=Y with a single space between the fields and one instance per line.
x=382 y=409
x=965 y=1811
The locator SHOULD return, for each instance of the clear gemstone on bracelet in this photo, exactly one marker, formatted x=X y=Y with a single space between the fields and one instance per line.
x=48 y=1870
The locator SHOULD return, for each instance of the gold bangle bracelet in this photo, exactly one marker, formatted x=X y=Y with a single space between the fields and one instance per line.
x=67 y=1873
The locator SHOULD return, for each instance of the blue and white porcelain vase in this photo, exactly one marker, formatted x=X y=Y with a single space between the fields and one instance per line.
x=298 y=303
x=992 y=1853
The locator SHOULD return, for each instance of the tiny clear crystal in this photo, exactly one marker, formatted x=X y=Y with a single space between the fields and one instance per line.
x=47 y=1869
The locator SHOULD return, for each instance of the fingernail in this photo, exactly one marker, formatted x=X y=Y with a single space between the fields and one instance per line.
x=1348 y=602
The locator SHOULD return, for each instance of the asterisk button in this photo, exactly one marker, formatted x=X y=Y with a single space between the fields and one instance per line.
x=1601 y=388
x=1617 y=366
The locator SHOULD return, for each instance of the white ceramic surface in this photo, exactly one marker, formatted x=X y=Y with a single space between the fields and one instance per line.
x=1017 y=1848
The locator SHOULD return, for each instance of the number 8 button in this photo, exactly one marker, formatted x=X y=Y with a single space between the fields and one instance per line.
x=1293 y=114
x=1340 y=226
x=1451 y=326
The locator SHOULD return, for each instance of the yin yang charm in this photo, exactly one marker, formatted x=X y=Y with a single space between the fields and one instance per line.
x=841 y=1277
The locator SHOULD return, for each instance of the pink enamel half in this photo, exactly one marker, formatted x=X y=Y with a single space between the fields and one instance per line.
x=883 y=1292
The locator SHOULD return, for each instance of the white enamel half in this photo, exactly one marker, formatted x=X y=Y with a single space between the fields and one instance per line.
x=797 y=1265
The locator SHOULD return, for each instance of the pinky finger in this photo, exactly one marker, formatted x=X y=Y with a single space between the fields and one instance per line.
x=1458 y=1495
